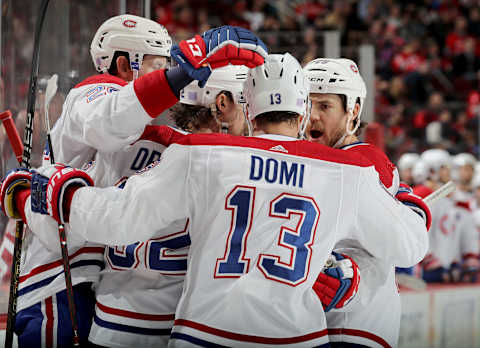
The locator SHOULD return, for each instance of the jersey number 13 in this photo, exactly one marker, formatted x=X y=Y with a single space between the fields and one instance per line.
x=240 y=201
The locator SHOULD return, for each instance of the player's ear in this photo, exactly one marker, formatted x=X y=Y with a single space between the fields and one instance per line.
x=222 y=102
x=356 y=110
x=123 y=68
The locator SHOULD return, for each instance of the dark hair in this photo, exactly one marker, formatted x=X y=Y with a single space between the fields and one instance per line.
x=113 y=65
x=190 y=117
x=363 y=124
x=276 y=117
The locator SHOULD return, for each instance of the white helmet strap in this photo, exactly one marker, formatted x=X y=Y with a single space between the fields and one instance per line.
x=351 y=119
x=247 y=119
x=306 y=119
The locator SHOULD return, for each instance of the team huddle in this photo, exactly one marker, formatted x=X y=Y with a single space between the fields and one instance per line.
x=259 y=220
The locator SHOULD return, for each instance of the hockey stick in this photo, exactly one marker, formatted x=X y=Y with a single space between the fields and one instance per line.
x=27 y=151
x=12 y=133
x=443 y=191
x=49 y=94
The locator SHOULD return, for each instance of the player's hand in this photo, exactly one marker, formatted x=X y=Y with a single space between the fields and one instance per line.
x=406 y=196
x=218 y=47
x=53 y=188
x=15 y=181
x=338 y=283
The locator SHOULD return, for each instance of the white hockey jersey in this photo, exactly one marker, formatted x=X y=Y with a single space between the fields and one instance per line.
x=453 y=235
x=142 y=282
x=264 y=216
x=104 y=113
x=101 y=117
x=365 y=321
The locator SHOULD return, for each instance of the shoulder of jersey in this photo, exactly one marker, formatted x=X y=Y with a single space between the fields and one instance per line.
x=300 y=148
x=383 y=165
x=162 y=134
x=101 y=78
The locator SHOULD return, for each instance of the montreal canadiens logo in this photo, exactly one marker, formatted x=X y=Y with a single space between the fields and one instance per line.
x=129 y=23
x=354 y=68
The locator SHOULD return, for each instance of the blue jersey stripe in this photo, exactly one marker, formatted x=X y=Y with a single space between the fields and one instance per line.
x=194 y=340
x=46 y=281
x=131 y=329
x=352 y=145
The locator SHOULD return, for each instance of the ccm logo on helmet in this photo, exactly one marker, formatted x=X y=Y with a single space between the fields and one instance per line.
x=129 y=23
x=354 y=68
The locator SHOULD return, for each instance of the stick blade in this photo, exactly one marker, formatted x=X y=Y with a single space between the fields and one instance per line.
x=51 y=87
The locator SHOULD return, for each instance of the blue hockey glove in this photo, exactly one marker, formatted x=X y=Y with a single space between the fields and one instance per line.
x=338 y=284
x=218 y=47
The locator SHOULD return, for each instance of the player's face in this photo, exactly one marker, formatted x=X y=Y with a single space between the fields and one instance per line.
x=406 y=176
x=444 y=174
x=151 y=63
x=230 y=112
x=236 y=123
x=466 y=174
x=327 y=119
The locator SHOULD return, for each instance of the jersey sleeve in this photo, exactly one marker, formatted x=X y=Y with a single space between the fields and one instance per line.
x=386 y=228
x=373 y=275
x=150 y=201
x=107 y=116
x=45 y=228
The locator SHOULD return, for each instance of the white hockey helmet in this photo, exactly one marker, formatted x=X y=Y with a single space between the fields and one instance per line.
x=407 y=160
x=463 y=159
x=337 y=76
x=277 y=85
x=436 y=159
x=228 y=78
x=132 y=34
x=460 y=160
x=419 y=172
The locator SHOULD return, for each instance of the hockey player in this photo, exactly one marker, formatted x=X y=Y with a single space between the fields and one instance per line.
x=438 y=164
x=280 y=198
x=337 y=93
x=101 y=117
x=454 y=247
x=142 y=282
x=463 y=171
x=216 y=107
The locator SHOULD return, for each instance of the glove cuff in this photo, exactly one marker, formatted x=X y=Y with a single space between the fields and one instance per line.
x=418 y=205
x=20 y=200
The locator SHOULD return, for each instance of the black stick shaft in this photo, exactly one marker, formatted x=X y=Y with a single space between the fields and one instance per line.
x=27 y=151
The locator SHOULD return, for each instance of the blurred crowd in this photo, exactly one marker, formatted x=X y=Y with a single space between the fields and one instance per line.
x=427 y=55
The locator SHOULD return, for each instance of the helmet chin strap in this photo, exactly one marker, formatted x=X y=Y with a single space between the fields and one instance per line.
x=224 y=126
x=348 y=132
x=306 y=119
